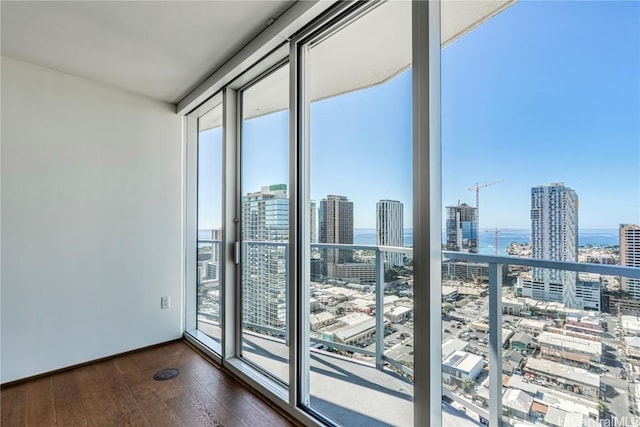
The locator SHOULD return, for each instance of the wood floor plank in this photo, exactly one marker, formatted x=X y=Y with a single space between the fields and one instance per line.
x=13 y=405
x=105 y=397
x=152 y=403
x=66 y=395
x=126 y=364
x=121 y=391
x=185 y=410
x=40 y=405
x=208 y=405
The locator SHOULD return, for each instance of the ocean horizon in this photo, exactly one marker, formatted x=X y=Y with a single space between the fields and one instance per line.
x=506 y=236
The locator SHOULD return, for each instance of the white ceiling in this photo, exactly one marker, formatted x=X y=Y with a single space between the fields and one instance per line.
x=160 y=49
x=165 y=49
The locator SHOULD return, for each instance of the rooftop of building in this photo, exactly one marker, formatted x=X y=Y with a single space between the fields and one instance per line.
x=558 y=370
x=517 y=400
x=462 y=361
x=571 y=343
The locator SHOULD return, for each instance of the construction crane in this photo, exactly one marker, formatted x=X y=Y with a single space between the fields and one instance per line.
x=477 y=188
x=495 y=241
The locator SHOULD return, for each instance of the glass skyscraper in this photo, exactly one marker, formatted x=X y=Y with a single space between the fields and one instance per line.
x=265 y=222
x=462 y=228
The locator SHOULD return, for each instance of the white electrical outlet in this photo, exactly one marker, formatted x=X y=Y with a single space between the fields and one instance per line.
x=164 y=302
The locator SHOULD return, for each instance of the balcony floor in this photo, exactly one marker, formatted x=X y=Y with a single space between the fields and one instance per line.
x=350 y=392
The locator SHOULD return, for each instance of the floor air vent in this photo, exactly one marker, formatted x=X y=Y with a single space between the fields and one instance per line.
x=166 y=374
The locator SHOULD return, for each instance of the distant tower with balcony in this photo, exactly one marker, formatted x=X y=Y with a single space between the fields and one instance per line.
x=462 y=228
x=265 y=220
x=554 y=236
x=390 y=230
x=630 y=256
x=335 y=224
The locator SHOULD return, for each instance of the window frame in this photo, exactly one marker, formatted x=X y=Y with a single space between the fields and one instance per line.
x=227 y=84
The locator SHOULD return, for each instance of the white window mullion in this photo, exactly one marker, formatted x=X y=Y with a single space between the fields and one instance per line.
x=427 y=202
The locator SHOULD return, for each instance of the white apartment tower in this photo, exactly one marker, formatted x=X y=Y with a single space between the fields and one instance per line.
x=390 y=230
x=630 y=256
x=314 y=221
x=554 y=236
x=265 y=220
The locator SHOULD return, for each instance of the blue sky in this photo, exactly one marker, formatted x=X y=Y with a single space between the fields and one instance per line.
x=543 y=92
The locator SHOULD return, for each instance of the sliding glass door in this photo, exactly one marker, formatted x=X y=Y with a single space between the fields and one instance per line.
x=209 y=225
x=359 y=287
x=306 y=182
x=264 y=238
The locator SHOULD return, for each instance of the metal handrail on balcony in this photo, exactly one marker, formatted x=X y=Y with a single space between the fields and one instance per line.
x=495 y=305
x=379 y=356
x=379 y=265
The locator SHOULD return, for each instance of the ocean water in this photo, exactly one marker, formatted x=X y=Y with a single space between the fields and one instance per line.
x=506 y=236
x=593 y=236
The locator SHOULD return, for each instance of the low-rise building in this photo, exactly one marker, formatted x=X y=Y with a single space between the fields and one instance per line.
x=449 y=293
x=461 y=365
x=538 y=410
x=451 y=345
x=569 y=349
x=517 y=403
x=515 y=306
x=532 y=326
x=518 y=382
x=521 y=341
x=585 y=324
x=630 y=325
x=580 y=380
x=632 y=347
x=356 y=272
x=619 y=306
x=357 y=332
x=321 y=320
x=398 y=313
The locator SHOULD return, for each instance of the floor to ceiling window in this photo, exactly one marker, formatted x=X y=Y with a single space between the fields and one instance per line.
x=541 y=196
x=209 y=225
x=359 y=288
x=305 y=188
x=264 y=162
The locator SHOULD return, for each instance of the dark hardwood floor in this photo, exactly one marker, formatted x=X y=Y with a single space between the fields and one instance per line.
x=121 y=391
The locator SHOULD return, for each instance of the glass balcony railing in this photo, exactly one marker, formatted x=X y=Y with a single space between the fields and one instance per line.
x=208 y=288
x=540 y=361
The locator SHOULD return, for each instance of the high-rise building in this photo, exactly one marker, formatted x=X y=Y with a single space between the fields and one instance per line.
x=462 y=228
x=335 y=220
x=554 y=236
x=314 y=221
x=390 y=230
x=216 y=236
x=630 y=256
x=265 y=219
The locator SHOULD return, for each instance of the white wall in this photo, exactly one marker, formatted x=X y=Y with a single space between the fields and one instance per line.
x=91 y=221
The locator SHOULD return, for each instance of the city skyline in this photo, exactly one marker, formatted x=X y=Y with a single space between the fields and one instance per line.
x=566 y=111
